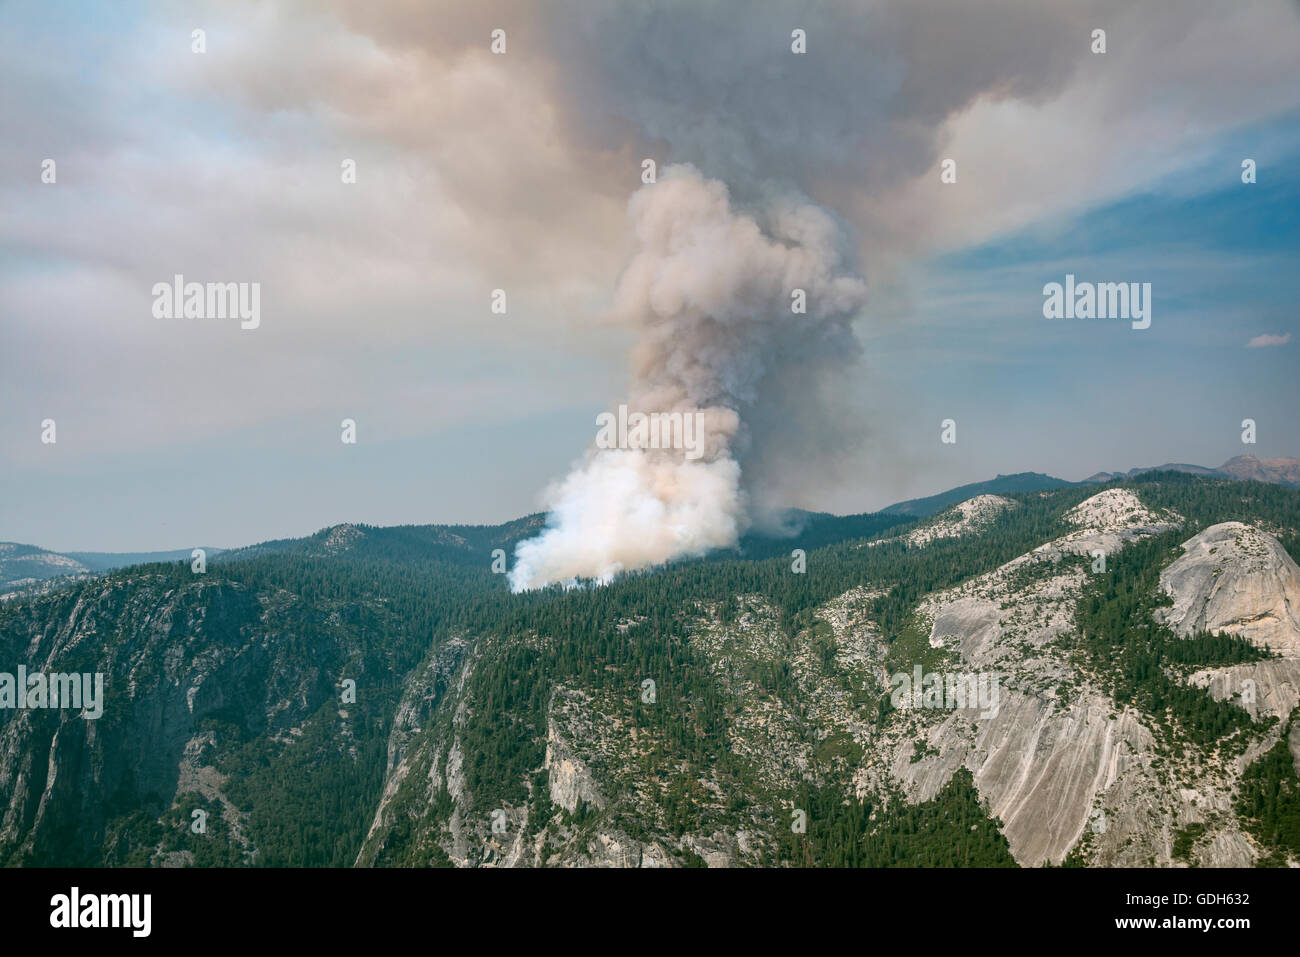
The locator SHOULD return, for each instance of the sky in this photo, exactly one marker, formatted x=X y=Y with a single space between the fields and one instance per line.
x=478 y=171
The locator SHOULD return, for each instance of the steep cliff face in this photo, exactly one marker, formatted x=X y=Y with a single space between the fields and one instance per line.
x=195 y=668
x=1056 y=746
x=1061 y=764
x=569 y=779
x=1236 y=579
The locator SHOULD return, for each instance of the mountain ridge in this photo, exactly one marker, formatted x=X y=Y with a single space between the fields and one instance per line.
x=25 y=566
x=1278 y=471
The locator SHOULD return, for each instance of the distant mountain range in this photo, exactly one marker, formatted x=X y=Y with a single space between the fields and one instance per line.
x=1245 y=468
x=24 y=568
x=1020 y=482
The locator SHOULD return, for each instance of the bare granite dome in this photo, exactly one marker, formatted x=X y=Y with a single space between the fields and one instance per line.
x=1236 y=578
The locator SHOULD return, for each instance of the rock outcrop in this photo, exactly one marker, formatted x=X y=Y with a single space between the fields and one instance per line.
x=570 y=781
x=1237 y=579
x=964 y=518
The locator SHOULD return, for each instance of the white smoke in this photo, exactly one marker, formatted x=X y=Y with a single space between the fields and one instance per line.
x=710 y=290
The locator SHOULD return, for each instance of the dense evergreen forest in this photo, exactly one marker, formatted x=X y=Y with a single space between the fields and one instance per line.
x=377 y=610
x=950 y=830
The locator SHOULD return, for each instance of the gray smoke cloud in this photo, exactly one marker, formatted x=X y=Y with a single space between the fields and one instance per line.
x=720 y=244
x=711 y=291
x=715 y=83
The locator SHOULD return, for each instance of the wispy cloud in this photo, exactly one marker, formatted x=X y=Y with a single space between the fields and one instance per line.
x=1268 y=340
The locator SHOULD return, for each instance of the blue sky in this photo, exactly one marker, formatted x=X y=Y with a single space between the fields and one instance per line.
x=1220 y=256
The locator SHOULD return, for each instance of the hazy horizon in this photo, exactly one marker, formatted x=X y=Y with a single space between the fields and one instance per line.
x=306 y=532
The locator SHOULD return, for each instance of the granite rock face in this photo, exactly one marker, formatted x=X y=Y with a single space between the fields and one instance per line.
x=1059 y=769
x=1237 y=579
x=570 y=781
x=1107 y=522
x=1050 y=765
x=964 y=518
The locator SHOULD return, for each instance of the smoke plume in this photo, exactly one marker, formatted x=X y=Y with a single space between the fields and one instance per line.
x=712 y=291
